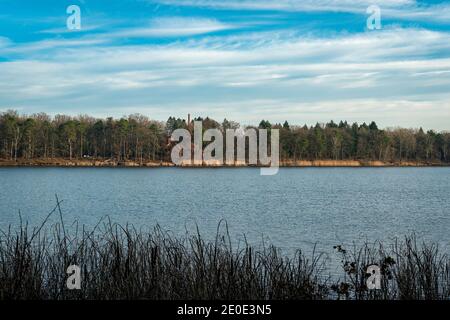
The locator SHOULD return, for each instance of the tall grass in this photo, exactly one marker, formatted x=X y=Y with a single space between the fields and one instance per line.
x=122 y=262
x=410 y=271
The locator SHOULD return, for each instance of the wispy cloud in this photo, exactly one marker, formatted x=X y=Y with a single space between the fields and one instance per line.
x=62 y=30
x=174 y=27
x=403 y=9
x=4 y=42
x=303 y=5
x=32 y=48
x=293 y=77
x=194 y=57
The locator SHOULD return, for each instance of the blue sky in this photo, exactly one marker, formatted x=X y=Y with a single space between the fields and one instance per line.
x=304 y=61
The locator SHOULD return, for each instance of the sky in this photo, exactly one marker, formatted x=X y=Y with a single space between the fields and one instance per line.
x=304 y=61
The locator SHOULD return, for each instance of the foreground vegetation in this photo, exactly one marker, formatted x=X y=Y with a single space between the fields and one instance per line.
x=140 y=139
x=121 y=262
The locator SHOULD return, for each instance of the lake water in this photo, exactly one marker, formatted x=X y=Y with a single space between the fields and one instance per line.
x=295 y=209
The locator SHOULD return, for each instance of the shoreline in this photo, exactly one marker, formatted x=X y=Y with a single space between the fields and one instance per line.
x=99 y=163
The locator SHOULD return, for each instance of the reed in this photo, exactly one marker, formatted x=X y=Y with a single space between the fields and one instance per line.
x=122 y=262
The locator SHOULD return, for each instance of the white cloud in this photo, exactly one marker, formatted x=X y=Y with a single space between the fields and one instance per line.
x=62 y=30
x=174 y=27
x=4 y=42
x=290 y=5
x=386 y=75
x=403 y=9
x=32 y=48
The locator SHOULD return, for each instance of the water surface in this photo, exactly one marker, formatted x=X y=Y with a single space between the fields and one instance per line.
x=295 y=209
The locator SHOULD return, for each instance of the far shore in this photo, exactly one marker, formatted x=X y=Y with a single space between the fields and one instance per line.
x=109 y=163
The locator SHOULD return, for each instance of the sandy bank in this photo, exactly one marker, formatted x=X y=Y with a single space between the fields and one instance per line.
x=288 y=163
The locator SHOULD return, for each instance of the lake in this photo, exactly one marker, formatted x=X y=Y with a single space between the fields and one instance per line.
x=297 y=208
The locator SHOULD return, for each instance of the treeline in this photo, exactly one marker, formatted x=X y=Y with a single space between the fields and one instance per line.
x=139 y=138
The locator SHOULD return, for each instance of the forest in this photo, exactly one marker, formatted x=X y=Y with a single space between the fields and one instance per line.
x=138 y=138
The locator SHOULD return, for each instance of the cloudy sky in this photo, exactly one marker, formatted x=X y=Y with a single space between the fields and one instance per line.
x=304 y=61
